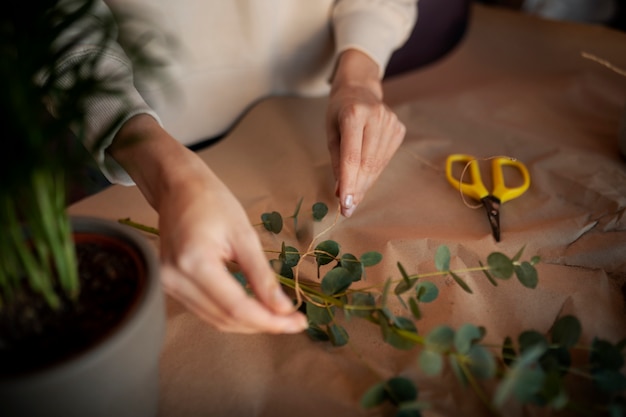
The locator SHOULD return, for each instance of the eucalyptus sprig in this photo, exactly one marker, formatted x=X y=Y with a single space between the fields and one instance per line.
x=531 y=368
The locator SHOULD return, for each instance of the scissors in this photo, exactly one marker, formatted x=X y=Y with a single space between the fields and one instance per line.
x=477 y=190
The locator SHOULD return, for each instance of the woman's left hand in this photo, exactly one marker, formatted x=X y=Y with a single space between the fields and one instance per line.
x=363 y=133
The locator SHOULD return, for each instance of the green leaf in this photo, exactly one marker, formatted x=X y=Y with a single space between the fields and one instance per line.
x=458 y=370
x=461 y=283
x=440 y=339
x=566 y=331
x=319 y=211
x=352 y=265
x=466 y=336
x=389 y=325
x=326 y=252
x=522 y=380
x=529 y=339
x=610 y=381
x=527 y=275
x=295 y=214
x=426 y=291
x=336 y=281
x=290 y=256
x=316 y=333
x=338 y=335
x=430 y=362
x=318 y=315
x=518 y=255
x=482 y=364
x=273 y=222
x=604 y=355
x=401 y=390
x=442 y=258
x=415 y=309
x=374 y=396
x=535 y=260
x=363 y=299
x=508 y=351
x=488 y=275
x=500 y=265
x=371 y=258
x=404 y=286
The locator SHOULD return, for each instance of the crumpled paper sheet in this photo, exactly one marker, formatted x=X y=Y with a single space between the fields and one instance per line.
x=516 y=86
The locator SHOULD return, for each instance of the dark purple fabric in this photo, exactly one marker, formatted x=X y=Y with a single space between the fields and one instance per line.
x=440 y=26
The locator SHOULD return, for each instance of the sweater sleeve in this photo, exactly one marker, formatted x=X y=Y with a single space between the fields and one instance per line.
x=374 y=27
x=105 y=112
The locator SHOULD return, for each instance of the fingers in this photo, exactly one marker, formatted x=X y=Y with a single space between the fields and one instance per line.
x=209 y=291
x=366 y=138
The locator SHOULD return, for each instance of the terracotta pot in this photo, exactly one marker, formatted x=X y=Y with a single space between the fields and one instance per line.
x=117 y=376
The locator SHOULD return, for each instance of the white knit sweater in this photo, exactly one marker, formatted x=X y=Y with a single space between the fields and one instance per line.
x=231 y=53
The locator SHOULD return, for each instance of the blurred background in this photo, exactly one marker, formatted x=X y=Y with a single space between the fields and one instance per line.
x=611 y=13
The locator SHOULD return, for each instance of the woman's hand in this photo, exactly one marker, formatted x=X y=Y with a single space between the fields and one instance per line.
x=203 y=228
x=363 y=133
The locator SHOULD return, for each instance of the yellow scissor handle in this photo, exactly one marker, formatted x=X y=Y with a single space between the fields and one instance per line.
x=500 y=190
x=475 y=188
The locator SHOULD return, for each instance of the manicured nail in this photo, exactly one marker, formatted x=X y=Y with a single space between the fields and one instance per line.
x=348 y=202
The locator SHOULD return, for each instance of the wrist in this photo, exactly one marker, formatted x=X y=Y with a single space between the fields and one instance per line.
x=356 y=69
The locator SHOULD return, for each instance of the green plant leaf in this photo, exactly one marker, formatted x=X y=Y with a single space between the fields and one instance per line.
x=508 y=351
x=430 y=362
x=522 y=380
x=273 y=222
x=535 y=260
x=440 y=339
x=605 y=355
x=295 y=214
x=426 y=291
x=519 y=253
x=363 y=299
x=400 y=389
x=352 y=265
x=371 y=258
x=458 y=370
x=466 y=336
x=415 y=309
x=529 y=339
x=374 y=396
x=481 y=362
x=488 y=275
x=290 y=256
x=526 y=274
x=442 y=258
x=566 y=331
x=317 y=315
x=500 y=265
x=316 y=333
x=389 y=325
x=338 y=335
x=461 y=283
x=336 y=281
x=326 y=252
x=319 y=211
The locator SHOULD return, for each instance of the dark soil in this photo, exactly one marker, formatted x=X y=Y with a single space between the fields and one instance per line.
x=32 y=335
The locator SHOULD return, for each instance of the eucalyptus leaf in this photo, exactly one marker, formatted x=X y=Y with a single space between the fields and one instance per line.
x=508 y=351
x=336 y=281
x=273 y=222
x=442 y=258
x=458 y=370
x=488 y=275
x=374 y=396
x=430 y=362
x=390 y=334
x=318 y=334
x=352 y=265
x=338 y=335
x=400 y=389
x=518 y=255
x=362 y=299
x=500 y=265
x=404 y=286
x=426 y=291
x=566 y=331
x=481 y=362
x=440 y=339
x=461 y=282
x=527 y=275
x=371 y=258
x=530 y=339
x=319 y=315
x=466 y=336
x=415 y=309
x=290 y=256
x=319 y=211
x=522 y=380
x=326 y=252
x=605 y=355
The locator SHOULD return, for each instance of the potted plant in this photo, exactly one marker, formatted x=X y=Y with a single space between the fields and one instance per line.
x=81 y=309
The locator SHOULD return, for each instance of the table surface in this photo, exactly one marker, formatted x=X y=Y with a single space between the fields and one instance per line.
x=516 y=86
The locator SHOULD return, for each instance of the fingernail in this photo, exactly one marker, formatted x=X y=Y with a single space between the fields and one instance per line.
x=348 y=202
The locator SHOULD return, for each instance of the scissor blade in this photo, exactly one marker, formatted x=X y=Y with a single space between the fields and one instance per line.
x=492 y=206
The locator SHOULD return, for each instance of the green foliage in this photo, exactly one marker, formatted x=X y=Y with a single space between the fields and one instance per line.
x=43 y=109
x=531 y=368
